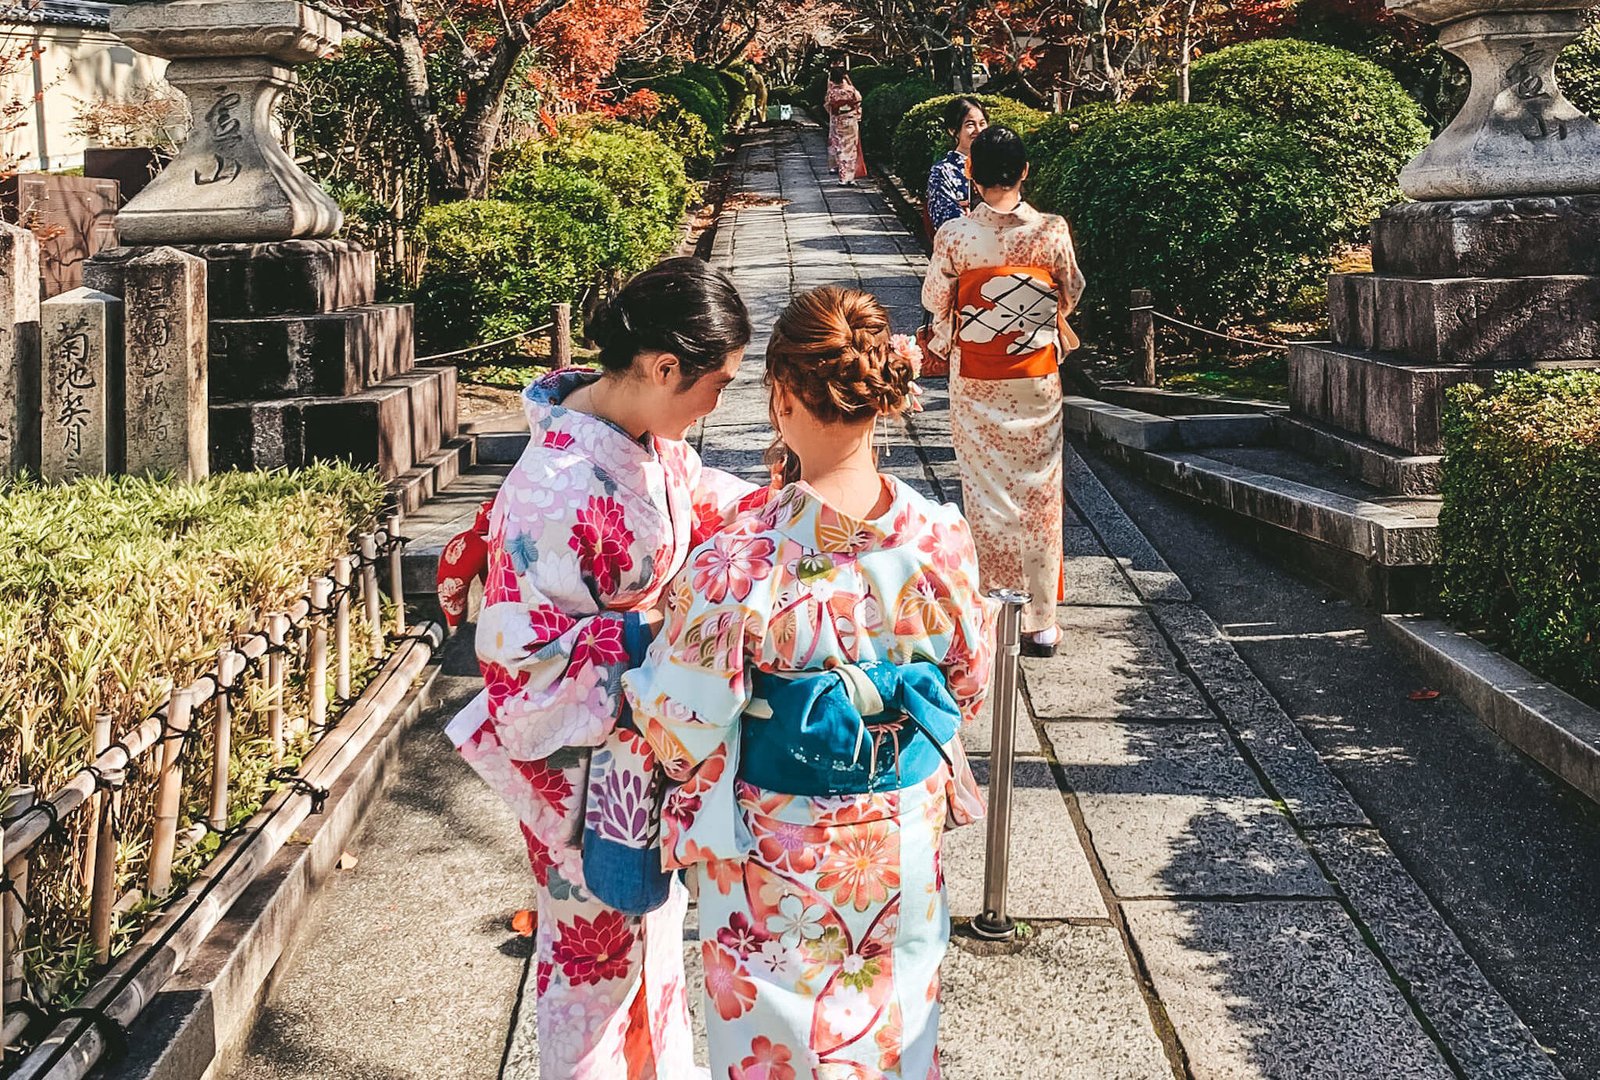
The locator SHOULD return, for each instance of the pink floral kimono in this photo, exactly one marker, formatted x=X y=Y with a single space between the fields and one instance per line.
x=583 y=538
x=844 y=131
x=1000 y=286
x=822 y=918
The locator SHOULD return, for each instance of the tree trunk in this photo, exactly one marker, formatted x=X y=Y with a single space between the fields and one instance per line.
x=444 y=167
x=1188 y=49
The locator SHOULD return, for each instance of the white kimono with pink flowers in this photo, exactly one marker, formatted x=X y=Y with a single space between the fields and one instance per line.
x=822 y=919
x=584 y=536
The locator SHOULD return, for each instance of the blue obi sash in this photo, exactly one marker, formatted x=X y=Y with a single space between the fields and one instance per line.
x=853 y=730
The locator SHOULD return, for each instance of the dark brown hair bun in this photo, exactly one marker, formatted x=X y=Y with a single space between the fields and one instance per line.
x=830 y=348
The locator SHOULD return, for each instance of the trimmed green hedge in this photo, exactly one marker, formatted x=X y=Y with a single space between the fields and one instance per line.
x=601 y=200
x=697 y=99
x=1353 y=116
x=1222 y=215
x=710 y=78
x=1520 y=527
x=882 y=110
x=920 y=139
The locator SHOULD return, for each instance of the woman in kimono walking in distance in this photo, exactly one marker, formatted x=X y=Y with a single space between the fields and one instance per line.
x=1000 y=285
x=804 y=697
x=844 y=126
x=584 y=535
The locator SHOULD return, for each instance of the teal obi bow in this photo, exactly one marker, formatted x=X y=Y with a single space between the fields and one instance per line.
x=851 y=730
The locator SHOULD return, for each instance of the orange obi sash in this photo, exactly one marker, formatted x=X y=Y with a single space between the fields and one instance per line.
x=1008 y=323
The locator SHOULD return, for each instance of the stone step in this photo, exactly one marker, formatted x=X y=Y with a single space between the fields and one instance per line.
x=331 y=352
x=1483 y=321
x=448 y=511
x=427 y=479
x=1372 y=463
x=250 y=280
x=1380 y=398
x=1148 y=431
x=391 y=426
x=1492 y=238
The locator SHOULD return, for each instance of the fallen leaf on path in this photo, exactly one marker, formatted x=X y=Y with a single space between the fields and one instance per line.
x=347 y=861
x=1423 y=695
x=524 y=921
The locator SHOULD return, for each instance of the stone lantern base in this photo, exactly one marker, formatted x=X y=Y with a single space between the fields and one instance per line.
x=305 y=366
x=1459 y=290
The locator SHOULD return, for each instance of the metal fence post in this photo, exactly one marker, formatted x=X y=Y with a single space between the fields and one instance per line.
x=993 y=923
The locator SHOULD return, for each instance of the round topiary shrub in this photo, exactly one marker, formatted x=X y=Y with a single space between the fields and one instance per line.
x=1578 y=71
x=710 y=78
x=697 y=99
x=882 y=109
x=684 y=133
x=1352 y=115
x=645 y=175
x=920 y=139
x=492 y=269
x=1222 y=215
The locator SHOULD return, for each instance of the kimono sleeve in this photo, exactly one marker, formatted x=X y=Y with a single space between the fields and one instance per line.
x=969 y=660
x=1069 y=277
x=552 y=659
x=939 y=290
x=945 y=195
x=719 y=499
x=693 y=688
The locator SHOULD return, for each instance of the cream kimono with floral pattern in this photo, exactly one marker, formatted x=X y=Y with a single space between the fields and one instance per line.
x=584 y=535
x=822 y=919
x=1007 y=431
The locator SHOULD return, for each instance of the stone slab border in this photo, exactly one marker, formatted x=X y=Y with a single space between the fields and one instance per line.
x=1541 y=720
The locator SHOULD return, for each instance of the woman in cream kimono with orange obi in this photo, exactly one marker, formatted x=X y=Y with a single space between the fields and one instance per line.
x=1000 y=285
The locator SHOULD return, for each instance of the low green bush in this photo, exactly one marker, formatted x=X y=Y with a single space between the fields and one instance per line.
x=882 y=109
x=494 y=268
x=1222 y=215
x=920 y=138
x=1519 y=530
x=1353 y=116
x=868 y=77
x=1578 y=71
x=741 y=96
x=647 y=178
x=695 y=98
x=714 y=83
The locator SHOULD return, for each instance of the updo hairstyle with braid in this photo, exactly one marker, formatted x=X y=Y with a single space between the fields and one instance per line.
x=830 y=349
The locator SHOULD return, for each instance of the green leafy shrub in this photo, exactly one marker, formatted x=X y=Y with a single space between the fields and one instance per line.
x=741 y=98
x=1519 y=530
x=1353 y=116
x=647 y=178
x=711 y=79
x=697 y=99
x=1222 y=215
x=494 y=268
x=787 y=94
x=920 y=139
x=882 y=109
x=1578 y=71
x=868 y=77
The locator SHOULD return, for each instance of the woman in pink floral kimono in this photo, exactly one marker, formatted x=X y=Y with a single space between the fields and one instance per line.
x=804 y=696
x=843 y=104
x=586 y=532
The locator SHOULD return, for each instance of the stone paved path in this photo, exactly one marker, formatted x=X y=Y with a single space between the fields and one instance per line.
x=1204 y=899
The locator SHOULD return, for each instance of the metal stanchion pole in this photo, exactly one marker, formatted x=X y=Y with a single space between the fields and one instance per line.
x=993 y=922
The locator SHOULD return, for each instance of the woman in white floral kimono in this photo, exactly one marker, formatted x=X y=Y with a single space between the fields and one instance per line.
x=804 y=696
x=1000 y=285
x=586 y=532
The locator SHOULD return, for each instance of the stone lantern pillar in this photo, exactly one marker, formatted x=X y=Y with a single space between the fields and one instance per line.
x=297 y=362
x=1496 y=265
x=232 y=181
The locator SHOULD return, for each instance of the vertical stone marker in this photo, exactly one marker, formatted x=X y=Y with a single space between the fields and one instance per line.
x=81 y=350
x=165 y=367
x=19 y=349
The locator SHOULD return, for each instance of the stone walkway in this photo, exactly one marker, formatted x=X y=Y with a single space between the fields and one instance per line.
x=1202 y=896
